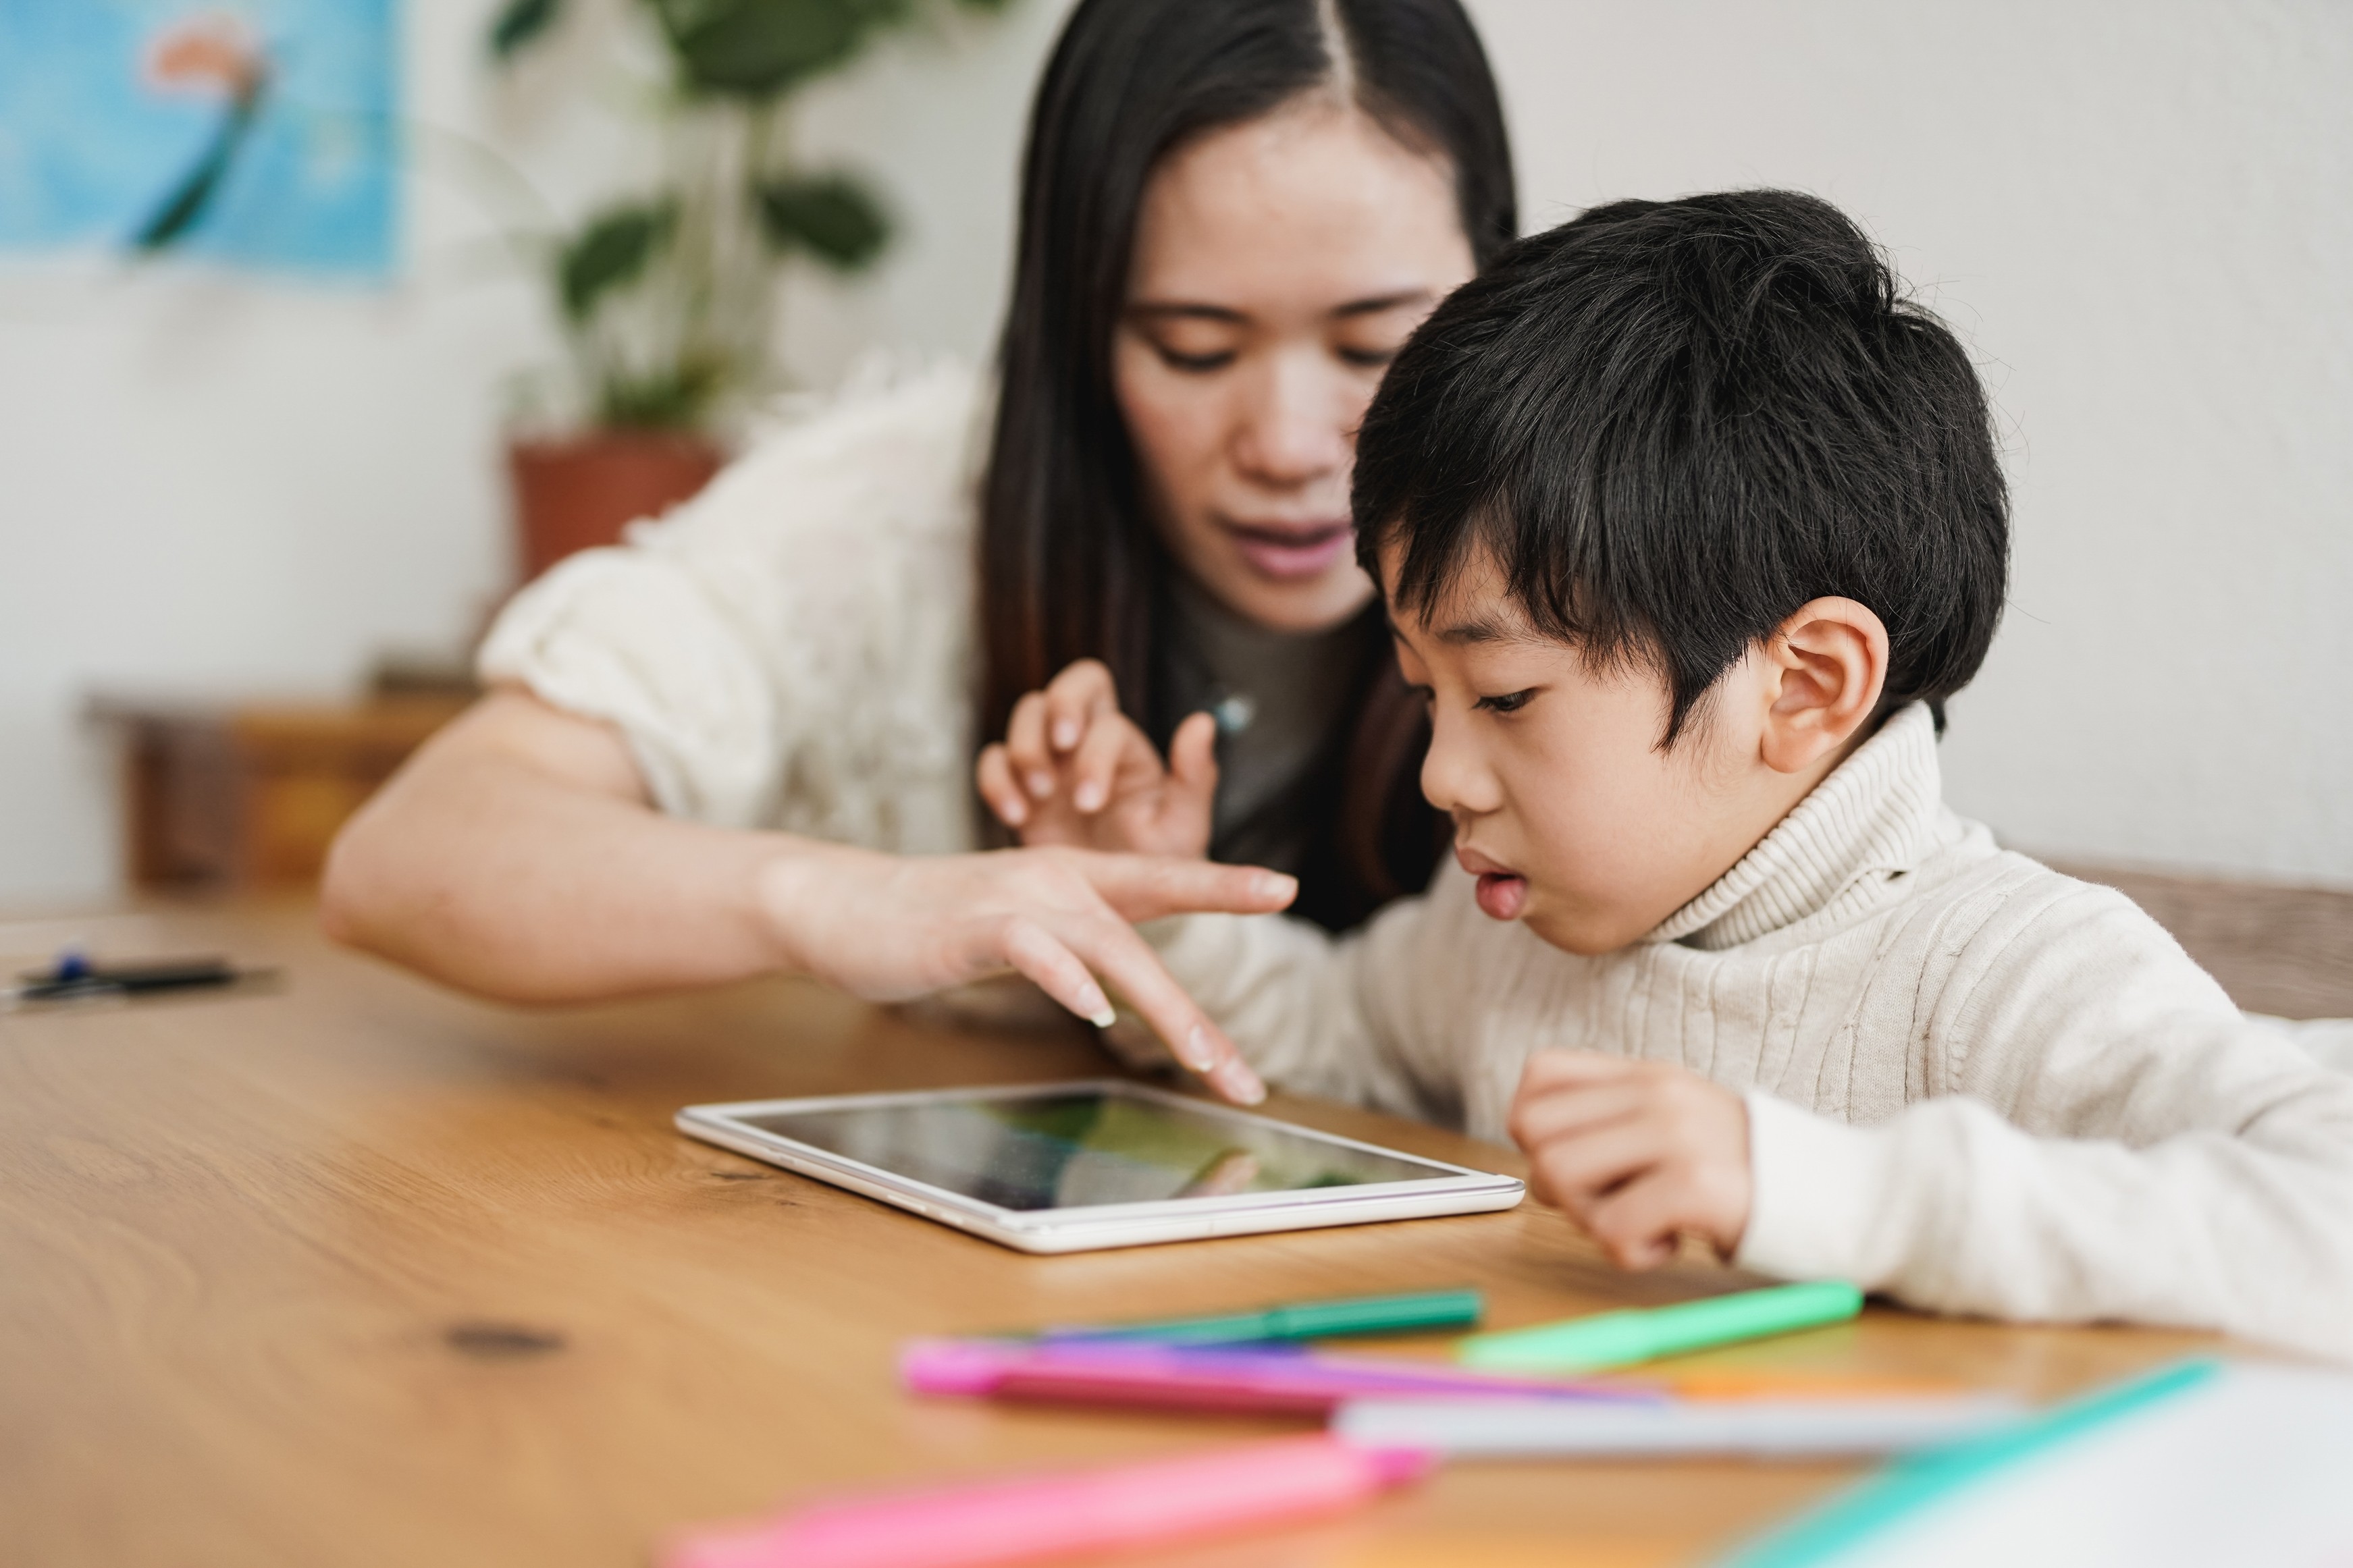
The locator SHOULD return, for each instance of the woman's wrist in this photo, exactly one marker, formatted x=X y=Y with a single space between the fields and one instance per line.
x=798 y=882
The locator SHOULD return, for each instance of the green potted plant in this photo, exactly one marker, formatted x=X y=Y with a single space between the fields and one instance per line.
x=667 y=297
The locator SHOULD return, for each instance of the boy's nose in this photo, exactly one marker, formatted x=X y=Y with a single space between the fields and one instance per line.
x=1454 y=778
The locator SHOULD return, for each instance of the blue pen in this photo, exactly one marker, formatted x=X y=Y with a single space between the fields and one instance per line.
x=1908 y=1484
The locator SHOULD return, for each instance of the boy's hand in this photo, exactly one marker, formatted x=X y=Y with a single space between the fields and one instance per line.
x=1637 y=1152
x=1074 y=770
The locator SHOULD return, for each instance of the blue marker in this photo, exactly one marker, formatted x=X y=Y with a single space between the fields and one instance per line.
x=1906 y=1487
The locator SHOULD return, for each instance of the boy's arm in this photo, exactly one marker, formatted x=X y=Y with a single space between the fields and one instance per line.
x=2109 y=1139
x=1360 y=1017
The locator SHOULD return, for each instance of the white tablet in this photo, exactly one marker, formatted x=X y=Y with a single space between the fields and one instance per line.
x=1071 y=1167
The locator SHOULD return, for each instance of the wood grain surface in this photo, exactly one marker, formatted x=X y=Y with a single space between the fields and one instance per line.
x=351 y=1271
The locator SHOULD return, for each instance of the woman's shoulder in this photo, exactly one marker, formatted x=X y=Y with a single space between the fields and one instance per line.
x=890 y=459
x=791 y=648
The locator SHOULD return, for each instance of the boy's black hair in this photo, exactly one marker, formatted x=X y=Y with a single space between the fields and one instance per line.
x=1674 y=423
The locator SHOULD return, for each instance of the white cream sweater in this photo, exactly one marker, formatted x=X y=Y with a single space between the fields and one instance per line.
x=1973 y=1083
x=793 y=647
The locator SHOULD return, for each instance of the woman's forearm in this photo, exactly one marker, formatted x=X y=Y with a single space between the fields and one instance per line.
x=516 y=858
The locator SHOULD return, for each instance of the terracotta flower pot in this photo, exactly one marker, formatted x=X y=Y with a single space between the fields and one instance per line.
x=577 y=493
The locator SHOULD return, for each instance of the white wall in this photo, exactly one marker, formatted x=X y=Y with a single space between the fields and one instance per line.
x=210 y=485
x=2141 y=218
x=2136 y=214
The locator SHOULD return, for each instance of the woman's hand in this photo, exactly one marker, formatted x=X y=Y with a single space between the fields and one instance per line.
x=1074 y=770
x=887 y=926
x=516 y=857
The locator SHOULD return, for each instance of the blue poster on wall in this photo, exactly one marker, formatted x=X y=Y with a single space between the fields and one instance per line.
x=260 y=133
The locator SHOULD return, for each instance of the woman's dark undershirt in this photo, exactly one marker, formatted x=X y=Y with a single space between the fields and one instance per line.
x=1275 y=785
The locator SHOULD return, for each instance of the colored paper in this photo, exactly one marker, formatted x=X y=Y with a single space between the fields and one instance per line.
x=1829 y=1534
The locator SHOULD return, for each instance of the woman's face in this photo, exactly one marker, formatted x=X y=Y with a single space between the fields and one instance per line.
x=1279 y=265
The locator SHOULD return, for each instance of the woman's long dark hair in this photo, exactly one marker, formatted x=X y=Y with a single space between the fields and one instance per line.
x=1070 y=566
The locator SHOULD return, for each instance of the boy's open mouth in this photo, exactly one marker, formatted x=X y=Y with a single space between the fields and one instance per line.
x=1503 y=893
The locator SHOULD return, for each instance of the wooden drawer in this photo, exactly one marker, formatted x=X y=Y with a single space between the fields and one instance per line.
x=250 y=796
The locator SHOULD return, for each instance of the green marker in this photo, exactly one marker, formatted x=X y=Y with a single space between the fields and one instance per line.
x=1622 y=1339
x=1301 y=1320
x=1898 y=1492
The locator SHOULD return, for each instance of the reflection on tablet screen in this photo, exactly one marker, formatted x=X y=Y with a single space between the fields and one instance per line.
x=1074 y=1151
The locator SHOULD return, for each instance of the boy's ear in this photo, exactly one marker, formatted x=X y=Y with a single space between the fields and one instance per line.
x=1825 y=667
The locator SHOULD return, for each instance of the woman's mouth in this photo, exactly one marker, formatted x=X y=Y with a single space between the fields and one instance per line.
x=1293 y=550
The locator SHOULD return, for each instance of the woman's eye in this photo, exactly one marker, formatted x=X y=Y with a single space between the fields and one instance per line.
x=1508 y=702
x=1368 y=358
x=1194 y=365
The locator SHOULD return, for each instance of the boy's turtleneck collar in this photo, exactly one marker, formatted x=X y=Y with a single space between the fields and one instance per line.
x=1870 y=821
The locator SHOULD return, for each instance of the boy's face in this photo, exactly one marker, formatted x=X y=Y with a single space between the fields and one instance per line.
x=1565 y=808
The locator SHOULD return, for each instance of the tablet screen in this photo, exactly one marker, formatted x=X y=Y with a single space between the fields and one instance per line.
x=1078 y=1150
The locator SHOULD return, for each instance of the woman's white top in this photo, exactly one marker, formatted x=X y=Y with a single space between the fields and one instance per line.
x=794 y=647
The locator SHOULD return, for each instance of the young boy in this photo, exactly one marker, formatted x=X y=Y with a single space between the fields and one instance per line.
x=1688 y=526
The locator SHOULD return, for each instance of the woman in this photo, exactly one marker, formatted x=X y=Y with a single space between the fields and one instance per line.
x=742 y=745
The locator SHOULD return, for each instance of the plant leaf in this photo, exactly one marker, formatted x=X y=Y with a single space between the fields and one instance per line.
x=611 y=251
x=177 y=213
x=675 y=398
x=759 y=48
x=519 y=22
x=832 y=217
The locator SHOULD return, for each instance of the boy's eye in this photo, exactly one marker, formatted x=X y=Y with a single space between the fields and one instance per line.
x=1507 y=702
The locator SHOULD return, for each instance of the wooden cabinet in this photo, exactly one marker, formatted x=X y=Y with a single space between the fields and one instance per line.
x=250 y=796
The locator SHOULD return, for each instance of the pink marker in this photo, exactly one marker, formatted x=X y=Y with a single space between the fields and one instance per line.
x=1223 y=1378
x=1228 y=1489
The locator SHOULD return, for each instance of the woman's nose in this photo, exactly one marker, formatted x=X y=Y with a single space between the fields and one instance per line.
x=1297 y=426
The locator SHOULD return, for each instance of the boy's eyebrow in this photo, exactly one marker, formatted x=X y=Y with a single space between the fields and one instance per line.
x=1479 y=629
x=1476 y=628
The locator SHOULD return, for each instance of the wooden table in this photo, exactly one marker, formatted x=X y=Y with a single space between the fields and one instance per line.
x=355 y=1271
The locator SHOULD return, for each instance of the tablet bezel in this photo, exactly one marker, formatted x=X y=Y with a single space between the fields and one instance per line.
x=1457 y=1189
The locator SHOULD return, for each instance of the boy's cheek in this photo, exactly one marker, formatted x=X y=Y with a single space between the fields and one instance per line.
x=1571 y=929
x=1586 y=903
